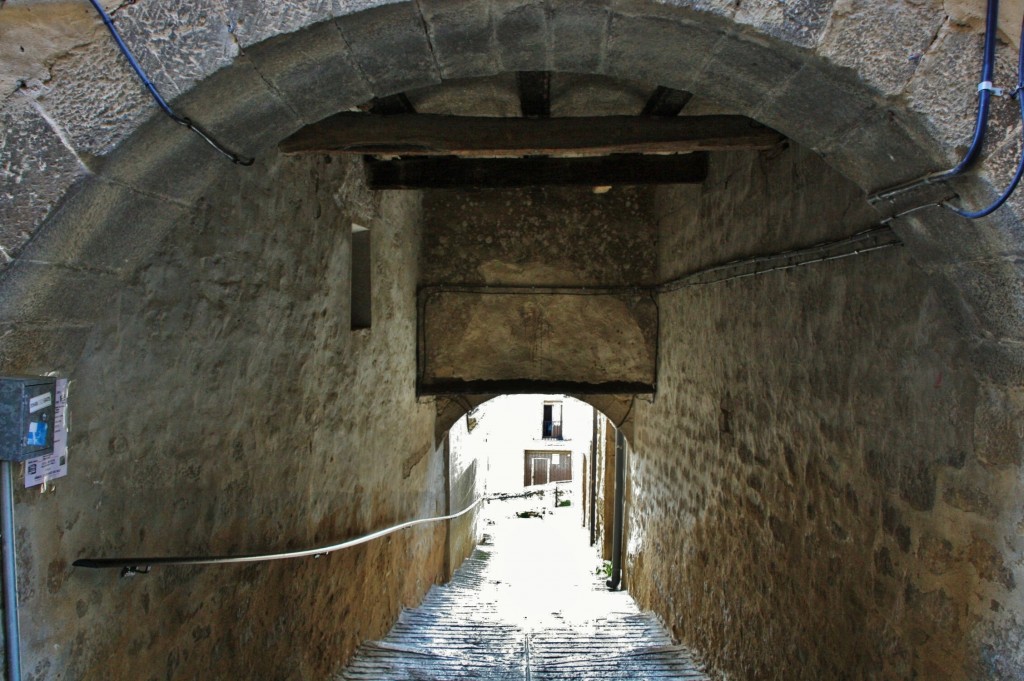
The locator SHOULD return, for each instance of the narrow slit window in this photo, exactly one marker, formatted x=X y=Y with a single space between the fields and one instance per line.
x=361 y=268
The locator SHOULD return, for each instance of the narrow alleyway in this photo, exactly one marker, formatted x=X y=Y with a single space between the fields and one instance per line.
x=528 y=604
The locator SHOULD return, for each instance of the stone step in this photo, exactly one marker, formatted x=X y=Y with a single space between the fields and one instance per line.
x=503 y=617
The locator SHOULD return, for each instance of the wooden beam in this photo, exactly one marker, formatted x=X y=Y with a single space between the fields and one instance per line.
x=666 y=102
x=522 y=386
x=481 y=173
x=534 y=93
x=436 y=135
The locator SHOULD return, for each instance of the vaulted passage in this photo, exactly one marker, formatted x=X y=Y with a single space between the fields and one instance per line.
x=670 y=210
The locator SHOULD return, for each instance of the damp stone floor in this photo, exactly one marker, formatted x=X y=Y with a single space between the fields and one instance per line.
x=527 y=605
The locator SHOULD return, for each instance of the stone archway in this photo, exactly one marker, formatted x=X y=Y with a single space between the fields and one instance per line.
x=803 y=73
x=798 y=73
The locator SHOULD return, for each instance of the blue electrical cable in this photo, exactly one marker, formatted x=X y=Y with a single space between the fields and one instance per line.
x=1019 y=95
x=984 y=94
x=985 y=91
x=180 y=120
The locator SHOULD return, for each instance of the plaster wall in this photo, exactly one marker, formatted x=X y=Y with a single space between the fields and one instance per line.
x=822 y=487
x=223 y=405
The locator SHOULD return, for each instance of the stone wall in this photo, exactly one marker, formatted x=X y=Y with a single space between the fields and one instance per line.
x=466 y=485
x=500 y=243
x=223 y=405
x=824 y=486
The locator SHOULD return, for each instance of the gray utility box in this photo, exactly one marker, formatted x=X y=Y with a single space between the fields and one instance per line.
x=26 y=416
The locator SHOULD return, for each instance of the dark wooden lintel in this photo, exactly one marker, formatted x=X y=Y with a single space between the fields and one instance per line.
x=666 y=101
x=534 y=93
x=522 y=386
x=478 y=173
x=437 y=135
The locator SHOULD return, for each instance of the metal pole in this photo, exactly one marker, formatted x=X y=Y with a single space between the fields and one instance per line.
x=12 y=636
x=593 y=481
x=620 y=492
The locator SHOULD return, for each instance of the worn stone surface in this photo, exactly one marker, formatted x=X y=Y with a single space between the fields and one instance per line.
x=812 y=465
x=391 y=48
x=247 y=296
x=499 y=619
x=36 y=169
x=495 y=96
x=544 y=236
x=494 y=336
x=801 y=23
x=555 y=237
x=317 y=76
x=884 y=42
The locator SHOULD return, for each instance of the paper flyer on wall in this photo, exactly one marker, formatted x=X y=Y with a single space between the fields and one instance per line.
x=52 y=466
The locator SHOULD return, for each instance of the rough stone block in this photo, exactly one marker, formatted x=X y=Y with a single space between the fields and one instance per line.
x=491 y=344
x=971 y=499
x=997 y=429
x=95 y=97
x=674 y=9
x=497 y=96
x=935 y=553
x=312 y=70
x=41 y=294
x=178 y=44
x=800 y=22
x=390 y=45
x=993 y=292
x=662 y=51
x=34 y=35
x=523 y=36
x=105 y=226
x=816 y=106
x=35 y=171
x=1001 y=362
x=579 y=35
x=885 y=150
x=742 y=74
x=862 y=33
x=238 y=106
x=937 y=236
x=253 y=21
x=462 y=37
x=235 y=106
x=165 y=159
x=989 y=563
x=33 y=350
x=586 y=95
x=944 y=91
x=979 y=188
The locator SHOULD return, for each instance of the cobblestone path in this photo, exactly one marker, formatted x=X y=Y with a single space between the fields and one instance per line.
x=526 y=606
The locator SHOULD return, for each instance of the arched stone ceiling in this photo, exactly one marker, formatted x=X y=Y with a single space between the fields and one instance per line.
x=883 y=91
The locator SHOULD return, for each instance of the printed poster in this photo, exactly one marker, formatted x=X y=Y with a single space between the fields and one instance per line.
x=52 y=466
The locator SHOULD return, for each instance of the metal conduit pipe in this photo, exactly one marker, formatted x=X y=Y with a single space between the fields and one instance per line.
x=12 y=634
x=985 y=90
x=620 y=500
